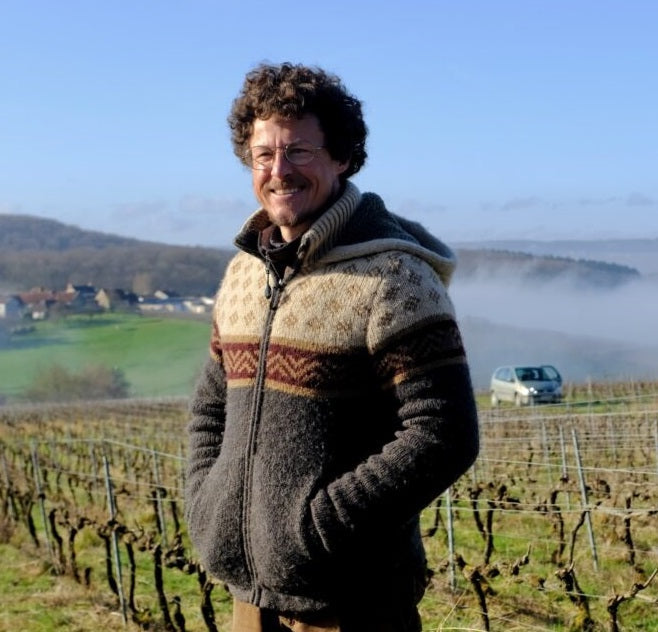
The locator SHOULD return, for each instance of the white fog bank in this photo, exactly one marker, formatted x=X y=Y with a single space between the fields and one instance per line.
x=628 y=313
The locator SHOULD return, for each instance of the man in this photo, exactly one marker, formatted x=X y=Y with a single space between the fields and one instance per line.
x=336 y=402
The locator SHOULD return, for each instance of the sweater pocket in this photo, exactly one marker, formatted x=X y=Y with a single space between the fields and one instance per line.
x=282 y=542
x=216 y=522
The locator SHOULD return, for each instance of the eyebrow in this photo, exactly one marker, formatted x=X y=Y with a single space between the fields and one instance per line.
x=292 y=142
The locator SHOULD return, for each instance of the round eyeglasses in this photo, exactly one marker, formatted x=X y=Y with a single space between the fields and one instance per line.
x=300 y=153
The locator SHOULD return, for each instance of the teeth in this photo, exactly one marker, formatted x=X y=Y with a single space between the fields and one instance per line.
x=286 y=191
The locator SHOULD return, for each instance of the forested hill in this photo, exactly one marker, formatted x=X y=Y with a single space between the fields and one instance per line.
x=25 y=232
x=37 y=252
x=488 y=264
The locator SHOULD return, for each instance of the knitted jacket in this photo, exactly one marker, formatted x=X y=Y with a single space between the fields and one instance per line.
x=329 y=414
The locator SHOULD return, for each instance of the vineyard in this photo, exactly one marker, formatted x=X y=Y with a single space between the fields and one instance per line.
x=555 y=527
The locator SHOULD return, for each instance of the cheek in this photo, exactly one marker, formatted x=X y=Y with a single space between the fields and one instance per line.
x=257 y=182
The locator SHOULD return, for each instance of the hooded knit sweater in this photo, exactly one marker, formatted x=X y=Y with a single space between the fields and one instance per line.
x=329 y=414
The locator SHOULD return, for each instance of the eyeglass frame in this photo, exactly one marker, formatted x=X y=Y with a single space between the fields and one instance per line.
x=252 y=163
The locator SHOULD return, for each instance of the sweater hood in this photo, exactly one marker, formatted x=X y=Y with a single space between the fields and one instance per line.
x=358 y=225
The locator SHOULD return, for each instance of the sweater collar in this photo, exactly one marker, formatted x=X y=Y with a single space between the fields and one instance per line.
x=371 y=230
x=317 y=240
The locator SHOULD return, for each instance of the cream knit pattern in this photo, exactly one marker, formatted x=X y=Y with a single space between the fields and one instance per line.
x=348 y=306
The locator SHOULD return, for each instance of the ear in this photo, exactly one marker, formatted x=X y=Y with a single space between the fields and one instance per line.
x=340 y=167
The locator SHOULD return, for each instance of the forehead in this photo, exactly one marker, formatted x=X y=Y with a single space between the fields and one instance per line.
x=278 y=130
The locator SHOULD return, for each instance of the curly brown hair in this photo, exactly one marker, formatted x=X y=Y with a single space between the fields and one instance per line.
x=292 y=91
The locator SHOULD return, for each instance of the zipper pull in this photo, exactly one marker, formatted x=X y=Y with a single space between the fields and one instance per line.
x=268 y=289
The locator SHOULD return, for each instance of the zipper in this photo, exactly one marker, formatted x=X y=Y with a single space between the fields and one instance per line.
x=254 y=423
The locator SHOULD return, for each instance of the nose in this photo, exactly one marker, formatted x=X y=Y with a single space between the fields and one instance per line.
x=280 y=165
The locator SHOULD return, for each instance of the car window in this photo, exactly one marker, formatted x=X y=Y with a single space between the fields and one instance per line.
x=523 y=373
x=551 y=373
x=530 y=374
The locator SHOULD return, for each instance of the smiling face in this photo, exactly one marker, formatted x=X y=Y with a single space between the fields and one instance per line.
x=294 y=195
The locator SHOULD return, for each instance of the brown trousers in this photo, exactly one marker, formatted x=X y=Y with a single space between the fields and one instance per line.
x=248 y=618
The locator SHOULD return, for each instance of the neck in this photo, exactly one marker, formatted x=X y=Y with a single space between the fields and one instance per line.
x=290 y=233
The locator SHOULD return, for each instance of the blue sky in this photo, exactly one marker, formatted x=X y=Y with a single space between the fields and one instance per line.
x=488 y=119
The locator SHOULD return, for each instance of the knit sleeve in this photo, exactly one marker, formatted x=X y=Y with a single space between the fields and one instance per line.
x=419 y=358
x=205 y=432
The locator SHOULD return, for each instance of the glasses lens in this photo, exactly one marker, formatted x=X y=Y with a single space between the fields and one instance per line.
x=300 y=153
x=259 y=157
x=262 y=157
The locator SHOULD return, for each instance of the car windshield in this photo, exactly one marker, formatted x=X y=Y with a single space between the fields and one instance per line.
x=531 y=374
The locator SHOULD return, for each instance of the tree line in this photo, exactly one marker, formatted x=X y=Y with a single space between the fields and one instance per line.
x=143 y=269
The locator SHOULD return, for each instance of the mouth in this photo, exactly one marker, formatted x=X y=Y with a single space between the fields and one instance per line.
x=286 y=191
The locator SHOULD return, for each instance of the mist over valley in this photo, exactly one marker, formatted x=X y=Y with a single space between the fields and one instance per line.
x=589 y=330
x=597 y=334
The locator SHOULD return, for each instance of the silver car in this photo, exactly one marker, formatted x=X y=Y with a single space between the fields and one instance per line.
x=525 y=385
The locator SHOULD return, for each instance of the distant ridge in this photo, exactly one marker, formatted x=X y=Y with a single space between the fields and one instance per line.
x=37 y=252
x=485 y=264
x=26 y=232
x=641 y=254
x=557 y=246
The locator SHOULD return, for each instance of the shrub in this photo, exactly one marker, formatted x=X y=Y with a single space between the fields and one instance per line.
x=57 y=384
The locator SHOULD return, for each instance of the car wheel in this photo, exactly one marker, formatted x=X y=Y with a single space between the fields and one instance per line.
x=494 y=400
x=517 y=399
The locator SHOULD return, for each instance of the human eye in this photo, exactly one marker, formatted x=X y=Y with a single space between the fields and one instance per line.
x=262 y=155
x=300 y=150
x=299 y=153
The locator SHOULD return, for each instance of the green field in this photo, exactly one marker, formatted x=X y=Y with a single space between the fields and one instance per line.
x=159 y=356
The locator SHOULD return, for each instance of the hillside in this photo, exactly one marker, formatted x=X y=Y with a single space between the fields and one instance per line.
x=488 y=264
x=641 y=254
x=38 y=252
x=27 y=233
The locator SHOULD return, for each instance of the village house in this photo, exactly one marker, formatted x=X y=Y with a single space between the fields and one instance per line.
x=200 y=305
x=116 y=300
x=41 y=303
x=38 y=302
x=84 y=298
x=166 y=301
x=150 y=304
x=11 y=307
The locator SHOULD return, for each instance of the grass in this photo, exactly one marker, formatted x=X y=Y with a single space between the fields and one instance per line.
x=33 y=598
x=159 y=356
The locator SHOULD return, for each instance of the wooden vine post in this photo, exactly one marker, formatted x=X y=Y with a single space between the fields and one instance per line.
x=451 y=540
x=564 y=474
x=115 y=538
x=42 y=505
x=655 y=441
x=159 y=493
x=11 y=508
x=585 y=501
